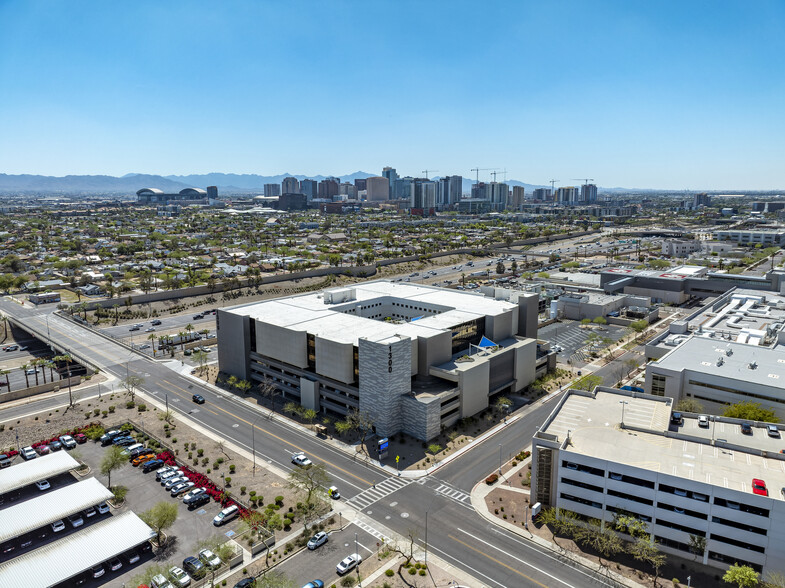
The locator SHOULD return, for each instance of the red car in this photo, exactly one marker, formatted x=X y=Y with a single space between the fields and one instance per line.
x=759 y=487
x=80 y=438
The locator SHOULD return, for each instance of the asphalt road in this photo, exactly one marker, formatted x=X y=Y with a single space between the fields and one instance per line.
x=455 y=532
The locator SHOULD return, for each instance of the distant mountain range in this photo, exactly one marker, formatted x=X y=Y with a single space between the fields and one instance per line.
x=233 y=183
x=130 y=183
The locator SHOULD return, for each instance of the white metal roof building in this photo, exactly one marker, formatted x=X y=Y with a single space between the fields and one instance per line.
x=50 y=507
x=383 y=348
x=40 y=468
x=63 y=559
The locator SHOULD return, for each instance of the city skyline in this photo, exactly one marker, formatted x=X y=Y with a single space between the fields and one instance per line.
x=671 y=96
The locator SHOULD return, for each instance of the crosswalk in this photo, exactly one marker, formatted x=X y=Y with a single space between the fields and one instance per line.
x=367 y=497
x=456 y=495
x=376 y=534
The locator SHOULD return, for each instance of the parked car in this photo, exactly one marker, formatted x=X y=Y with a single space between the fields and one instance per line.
x=131 y=557
x=159 y=581
x=209 y=559
x=180 y=488
x=313 y=584
x=80 y=438
x=746 y=428
x=198 y=501
x=58 y=526
x=43 y=485
x=173 y=481
x=12 y=348
x=194 y=567
x=68 y=441
x=5 y=461
x=76 y=520
x=226 y=515
x=759 y=487
x=245 y=583
x=193 y=494
x=179 y=577
x=773 y=431
x=318 y=540
x=703 y=421
x=115 y=564
x=125 y=441
x=141 y=459
x=28 y=453
x=151 y=465
x=98 y=571
x=676 y=418
x=348 y=563
x=107 y=437
x=301 y=459
x=89 y=512
x=43 y=450
x=137 y=451
x=102 y=508
x=166 y=472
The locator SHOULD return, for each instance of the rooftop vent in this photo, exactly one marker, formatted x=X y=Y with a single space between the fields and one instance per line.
x=720 y=361
x=729 y=352
x=753 y=365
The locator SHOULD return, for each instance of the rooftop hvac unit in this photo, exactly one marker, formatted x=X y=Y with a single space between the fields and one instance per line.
x=753 y=365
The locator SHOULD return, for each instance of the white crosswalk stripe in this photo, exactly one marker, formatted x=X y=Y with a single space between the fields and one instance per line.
x=367 y=497
x=454 y=494
x=373 y=532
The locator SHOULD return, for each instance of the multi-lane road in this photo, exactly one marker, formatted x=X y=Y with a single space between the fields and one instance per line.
x=456 y=533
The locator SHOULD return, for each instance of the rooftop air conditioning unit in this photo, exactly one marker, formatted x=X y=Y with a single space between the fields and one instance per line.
x=753 y=365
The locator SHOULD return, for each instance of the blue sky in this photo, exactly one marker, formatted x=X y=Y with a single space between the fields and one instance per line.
x=652 y=95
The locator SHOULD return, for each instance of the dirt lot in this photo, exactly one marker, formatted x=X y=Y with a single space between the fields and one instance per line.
x=510 y=506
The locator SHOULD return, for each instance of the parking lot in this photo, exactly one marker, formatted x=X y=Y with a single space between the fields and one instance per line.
x=191 y=528
x=572 y=339
x=320 y=563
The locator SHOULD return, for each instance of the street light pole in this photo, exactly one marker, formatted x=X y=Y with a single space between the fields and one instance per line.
x=500 y=459
x=426 y=536
x=622 y=402
x=253 y=442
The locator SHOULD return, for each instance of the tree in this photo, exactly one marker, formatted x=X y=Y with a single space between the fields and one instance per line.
x=502 y=405
x=600 y=320
x=586 y=321
x=563 y=522
x=161 y=516
x=499 y=267
x=113 y=460
x=647 y=551
x=631 y=365
x=362 y=423
x=697 y=545
x=604 y=540
x=201 y=358
x=24 y=367
x=588 y=382
x=689 y=405
x=742 y=576
x=274 y=579
x=639 y=326
x=267 y=389
x=750 y=411
x=131 y=383
x=313 y=480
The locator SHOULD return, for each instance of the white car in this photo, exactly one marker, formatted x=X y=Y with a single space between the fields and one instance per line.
x=703 y=421
x=43 y=485
x=179 y=577
x=348 y=563
x=68 y=441
x=165 y=470
x=318 y=540
x=209 y=559
x=103 y=508
x=180 y=488
x=28 y=453
x=226 y=515
x=301 y=460
x=172 y=482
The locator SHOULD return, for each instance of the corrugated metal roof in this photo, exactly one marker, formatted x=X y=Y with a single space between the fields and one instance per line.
x=76 y=553
x=40 y=468
x=51 y=506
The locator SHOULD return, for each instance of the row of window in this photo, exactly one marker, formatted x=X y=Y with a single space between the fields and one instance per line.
x=734 y=391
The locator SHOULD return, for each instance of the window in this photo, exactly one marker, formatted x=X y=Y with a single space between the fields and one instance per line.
x=633 y=497
x=658 y=384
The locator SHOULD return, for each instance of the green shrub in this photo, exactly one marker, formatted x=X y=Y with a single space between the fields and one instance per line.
x=389 y=573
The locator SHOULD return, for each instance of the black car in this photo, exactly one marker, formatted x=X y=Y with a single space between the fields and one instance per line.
x=198 y=501
x=245 y=583
x=55 y=445
x=198 y=398
x=746 y=428
x=676 y=418
x=107 y=437
x=153 y=464
x=125 y=441
x=194 y=567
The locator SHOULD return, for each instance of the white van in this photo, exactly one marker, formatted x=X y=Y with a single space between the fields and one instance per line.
x=226 y=515
x=130 y=448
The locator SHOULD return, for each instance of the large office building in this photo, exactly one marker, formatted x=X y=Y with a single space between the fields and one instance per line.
x=329 y=187
x=609 y=452
x=542 y=194
x=415 y=358
x=290 y=186
x=588 y=193
x=498 y=194
x=450 y=191
x=745 y=237
x=184 y=196
x=391 y=174
x=567 y=195
x=272 y=190
x=518 y=197
x=378 y=188
x=310 y=189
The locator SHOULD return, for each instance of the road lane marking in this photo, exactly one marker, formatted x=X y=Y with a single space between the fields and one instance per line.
x=510 y=556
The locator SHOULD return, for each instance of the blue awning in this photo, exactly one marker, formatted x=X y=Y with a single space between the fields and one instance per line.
x=417 y=318
x=485 y=342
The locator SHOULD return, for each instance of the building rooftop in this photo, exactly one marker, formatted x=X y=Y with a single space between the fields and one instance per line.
x=42 y=467
x=651 y=443
x=433 y=310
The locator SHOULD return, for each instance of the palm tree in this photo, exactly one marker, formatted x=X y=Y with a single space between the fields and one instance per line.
x=42 y=364
x=152 y=338
x=181 y=334
x=7 y=383
x=24 y=367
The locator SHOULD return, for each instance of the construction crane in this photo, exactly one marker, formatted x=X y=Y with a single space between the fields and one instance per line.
x=425 y=171
x=552 y=183
x=585 y=180
x=479 y=169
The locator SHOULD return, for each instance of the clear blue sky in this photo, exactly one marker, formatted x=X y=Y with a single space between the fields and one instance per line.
x=682 y=94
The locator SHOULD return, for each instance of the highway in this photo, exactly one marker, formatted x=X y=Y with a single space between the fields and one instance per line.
x=456 y=532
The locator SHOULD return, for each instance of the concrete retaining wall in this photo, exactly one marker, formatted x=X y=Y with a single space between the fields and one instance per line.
x=40 y=389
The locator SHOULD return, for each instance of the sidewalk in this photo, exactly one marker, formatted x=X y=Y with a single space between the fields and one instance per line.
x=480 y=492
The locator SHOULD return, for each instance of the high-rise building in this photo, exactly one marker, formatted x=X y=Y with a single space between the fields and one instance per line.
x=480 y=191
x=378 y=188
x=424 y=194
x=567 y=194
x=403 y=189
x=588 y=193
x=212 y=192
x=456 y=189
x=450 y=190
x=702 y=199
x=329 y=187
x=348 y=189
x=391 y=174
x=542 y=194
x=518 y=196
x=360 y=184
x=272 y=189
x=309 y=188
x=497 y=193
x=290 y=186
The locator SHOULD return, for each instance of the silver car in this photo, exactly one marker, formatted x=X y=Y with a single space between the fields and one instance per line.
x=168 y=484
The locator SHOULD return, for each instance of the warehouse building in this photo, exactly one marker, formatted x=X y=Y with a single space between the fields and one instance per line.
x=607 y=452
x=414 y=358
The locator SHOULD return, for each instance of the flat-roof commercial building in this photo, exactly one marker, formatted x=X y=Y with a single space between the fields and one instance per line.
x=407 y=355
x=608 y=452
x=70 y=556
